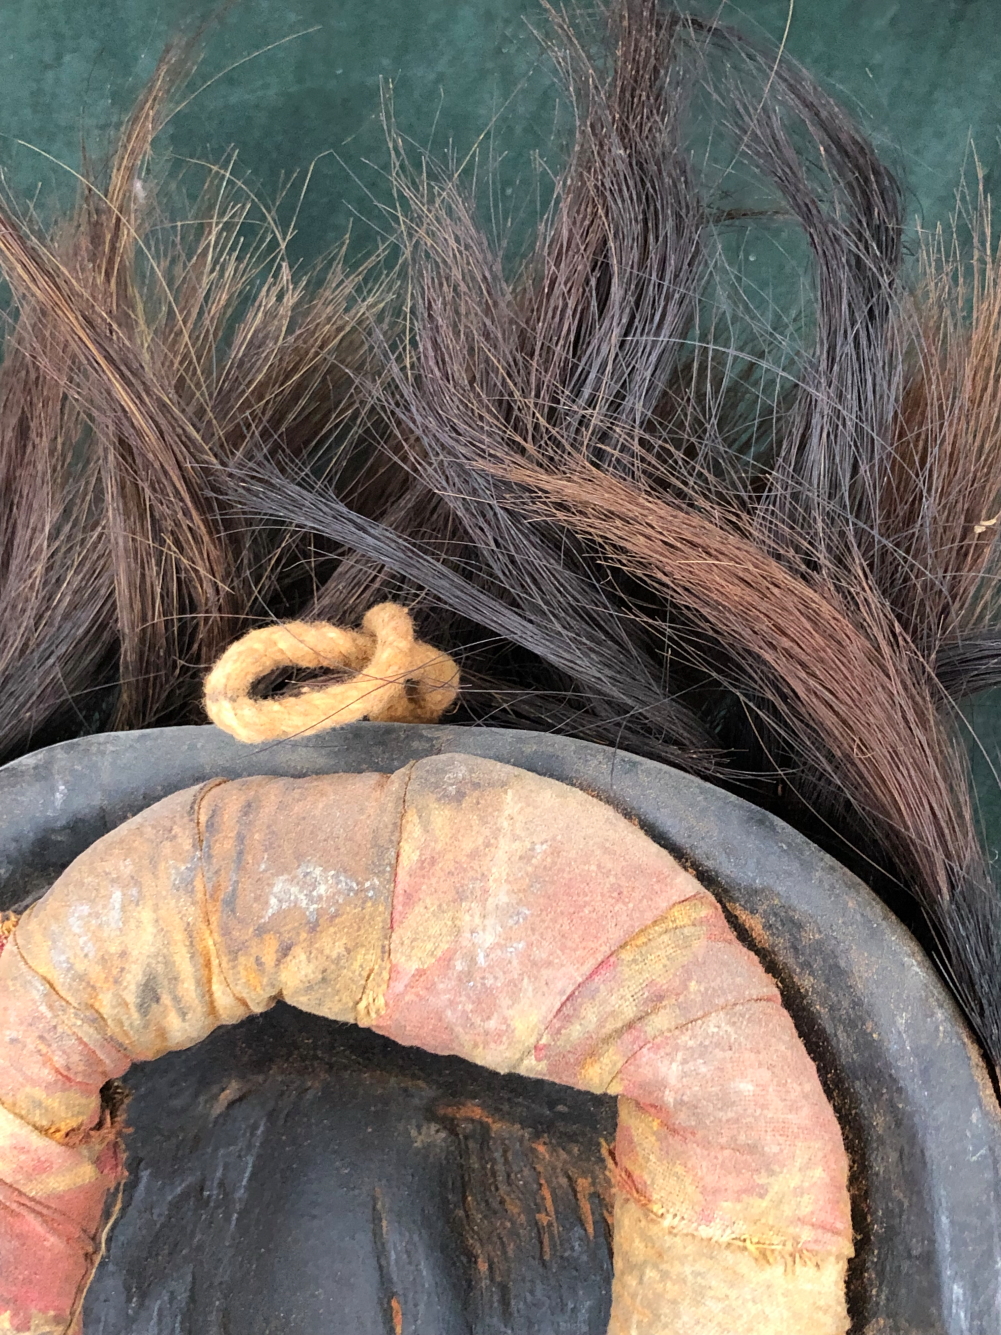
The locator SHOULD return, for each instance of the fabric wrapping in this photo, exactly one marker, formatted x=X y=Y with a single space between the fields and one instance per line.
x=465 y=907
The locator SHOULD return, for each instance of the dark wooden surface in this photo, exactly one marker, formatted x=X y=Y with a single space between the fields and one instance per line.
x=292 y=1176
x=260 y=1201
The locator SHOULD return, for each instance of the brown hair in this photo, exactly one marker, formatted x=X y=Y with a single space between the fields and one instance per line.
x=638 y=498
x=146 y=354
x=774 y=576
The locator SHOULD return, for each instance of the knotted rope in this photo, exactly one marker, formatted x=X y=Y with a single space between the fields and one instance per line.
x=397 y=679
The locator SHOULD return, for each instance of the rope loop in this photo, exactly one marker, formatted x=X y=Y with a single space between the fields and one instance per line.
x=396 y=678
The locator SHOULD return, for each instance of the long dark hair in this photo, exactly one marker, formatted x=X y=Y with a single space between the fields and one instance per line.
x=745 y=526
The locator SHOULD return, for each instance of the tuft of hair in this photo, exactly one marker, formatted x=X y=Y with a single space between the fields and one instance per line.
x=745 y=525
x=152 y=345
x=705 y=472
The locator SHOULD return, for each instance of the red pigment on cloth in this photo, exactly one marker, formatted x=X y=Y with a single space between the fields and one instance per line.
x=465 y=907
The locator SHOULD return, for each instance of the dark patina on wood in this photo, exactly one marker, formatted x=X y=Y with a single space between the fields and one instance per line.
x=292 y=1175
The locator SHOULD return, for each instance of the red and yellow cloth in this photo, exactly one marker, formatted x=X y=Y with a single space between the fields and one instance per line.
x=464 y=907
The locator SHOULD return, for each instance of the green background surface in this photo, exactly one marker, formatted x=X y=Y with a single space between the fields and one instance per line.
x=923 y=76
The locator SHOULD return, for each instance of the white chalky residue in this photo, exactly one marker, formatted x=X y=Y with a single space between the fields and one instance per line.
x=115 y=921
x=311 y=889
x=79 y=918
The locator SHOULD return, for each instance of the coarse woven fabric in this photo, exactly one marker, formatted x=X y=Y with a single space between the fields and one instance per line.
x=466 y=907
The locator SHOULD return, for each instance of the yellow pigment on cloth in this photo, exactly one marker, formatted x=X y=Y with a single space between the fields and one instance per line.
x=396 y=678
x=465 y=907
